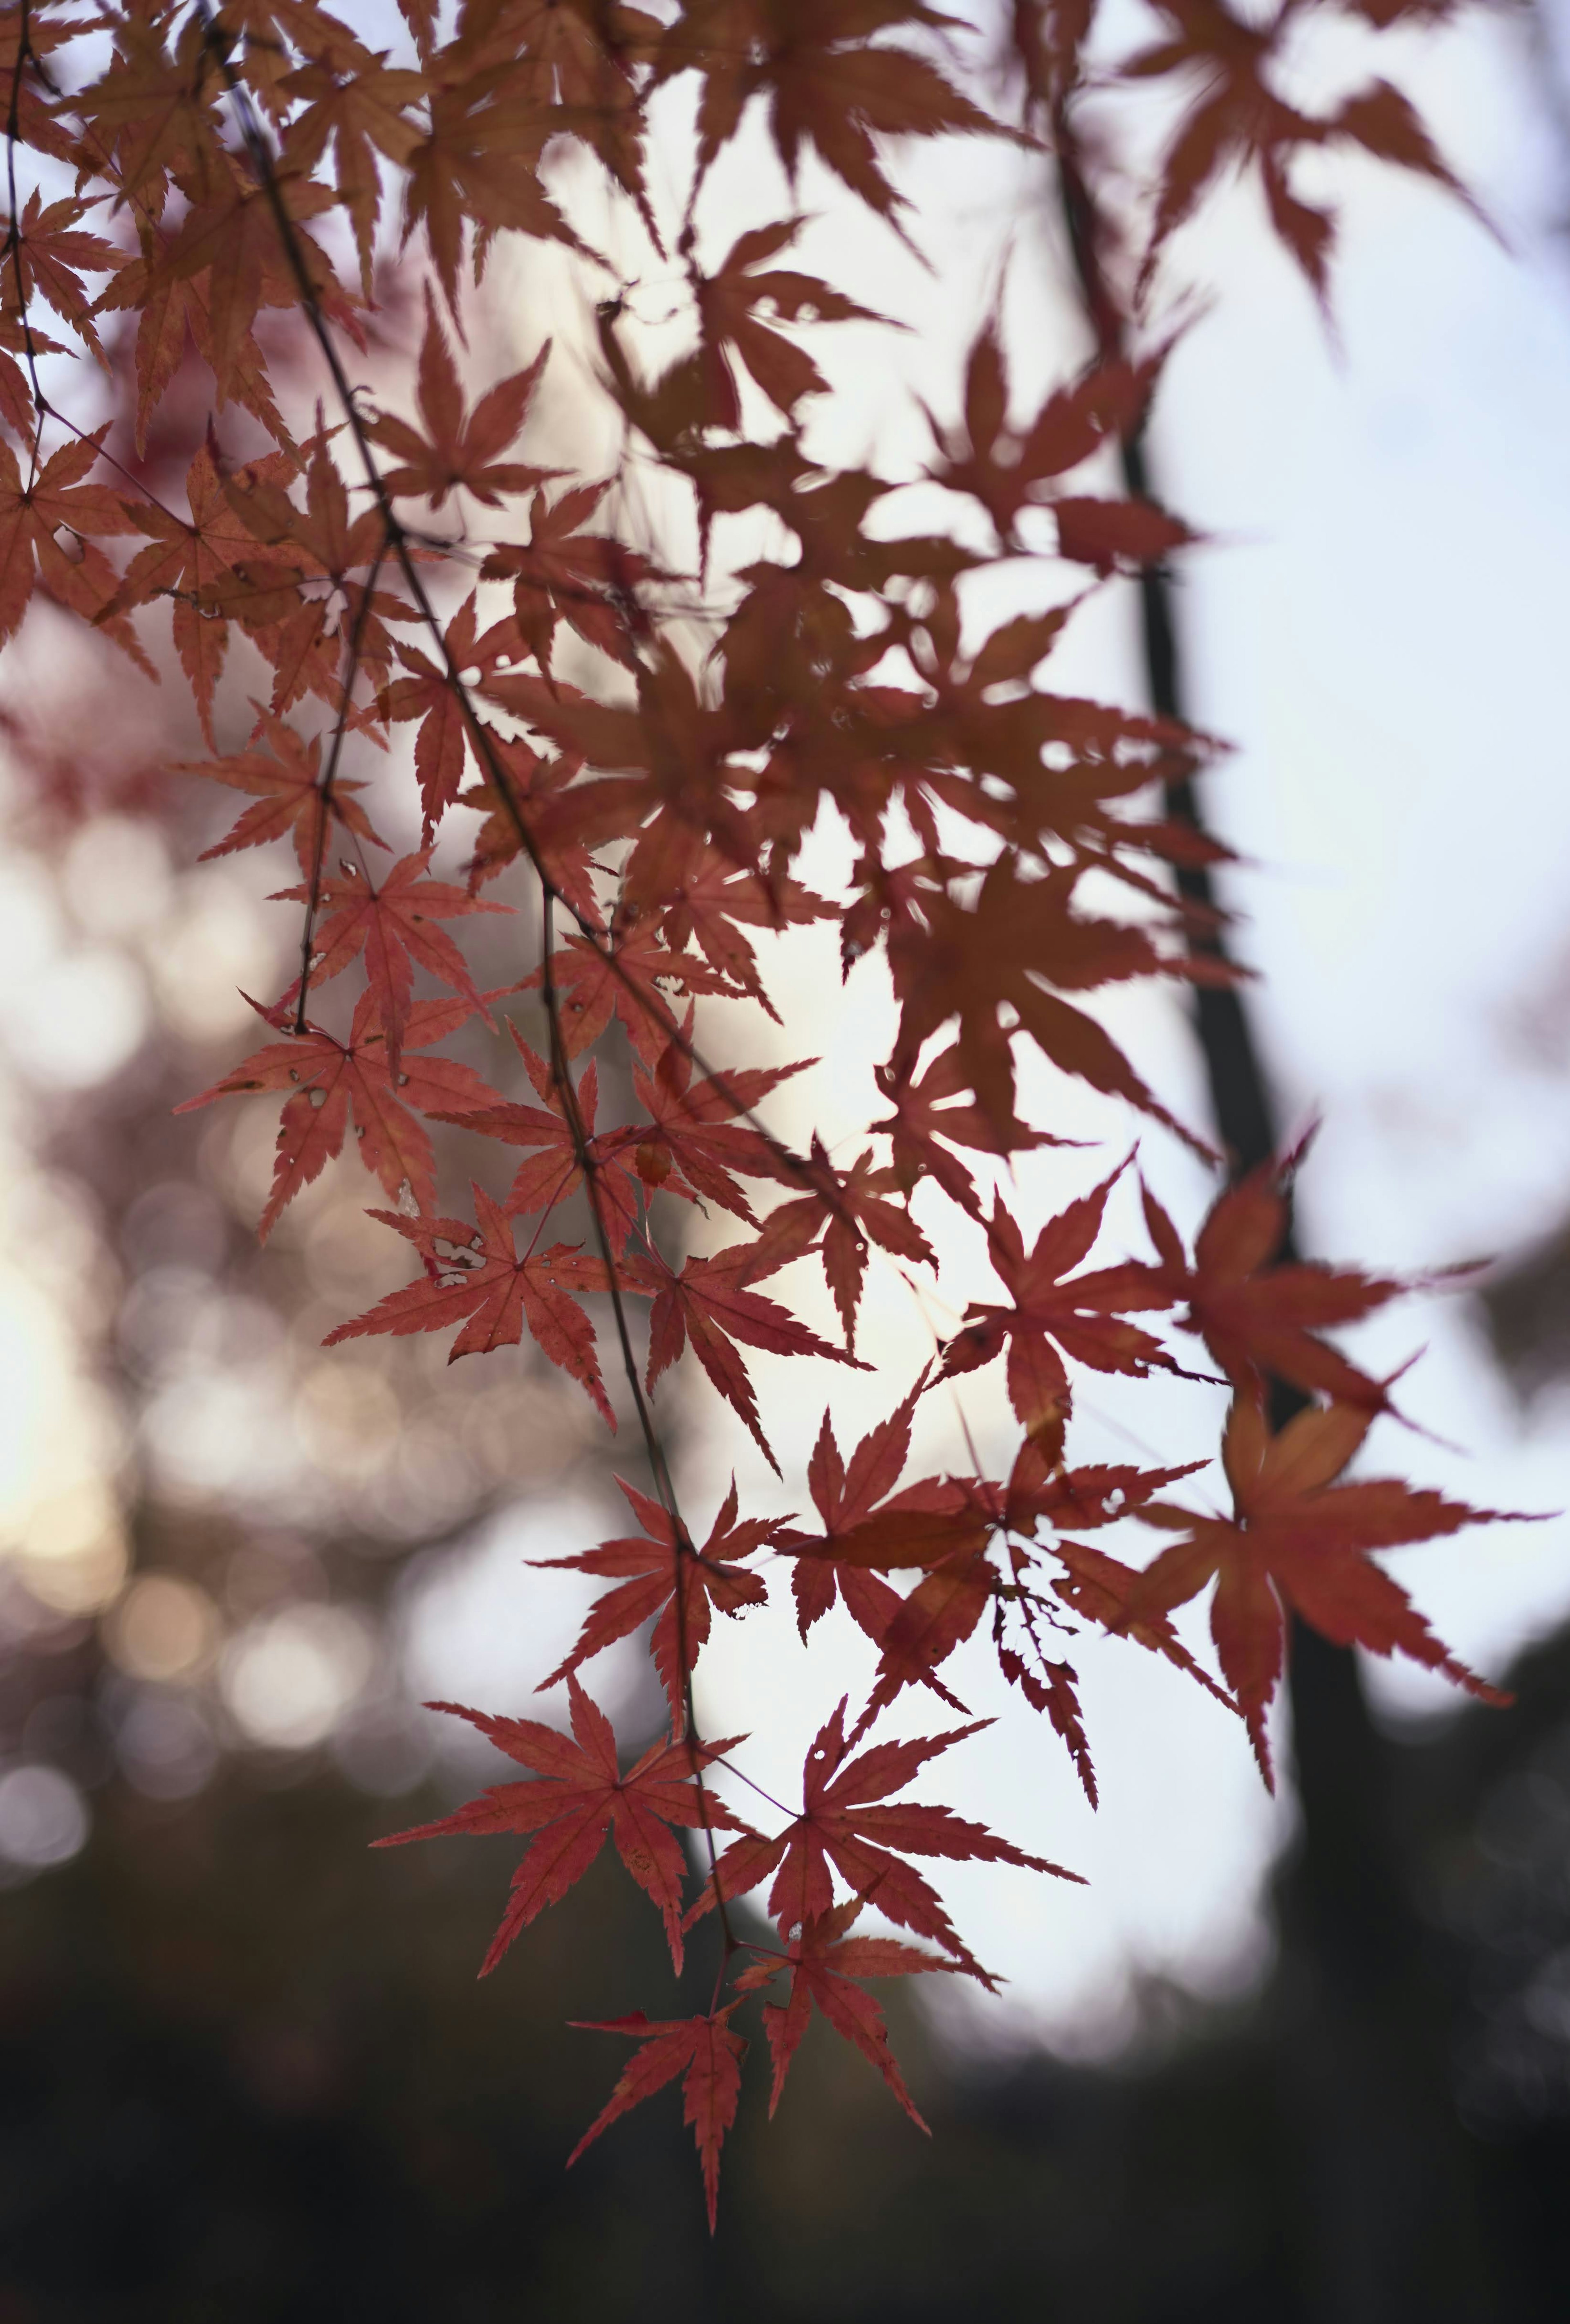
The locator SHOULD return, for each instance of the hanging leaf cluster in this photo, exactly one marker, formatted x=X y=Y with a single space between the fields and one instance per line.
x=576 y=692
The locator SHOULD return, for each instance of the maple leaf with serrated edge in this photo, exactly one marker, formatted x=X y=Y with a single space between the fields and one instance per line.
x=691 y=1143
x=459 y=447
x=332 y=1084
x=1008 y=470
x=653 y=1572
x=561 y=572
x=849 y=1209
x=539 y=797
x=284 y=781
x=479 y=1280
x=708 y=1306
x=208 y=568
x=33 y=510
x=50 y=252
x=1237 y=119
x=594 y=982
x=826 y=85
x=580 y=1798
x=1021 y=939
x=923 y=1115
x=1261 y=1321
x=711 y=901
x=708 y=2056
x=731 y=329
x=394 y=926
x=1299 y=1542
x=1055 y=1314
x=848 y=1825
x=352 y=98
x=554 y=1172
x=827 y=1969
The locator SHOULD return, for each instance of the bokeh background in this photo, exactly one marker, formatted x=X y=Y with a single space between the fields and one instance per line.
x=247 y=2072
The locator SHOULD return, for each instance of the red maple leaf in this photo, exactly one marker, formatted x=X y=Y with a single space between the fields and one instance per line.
x=394 y=926
x=459 y=447
x=554 y=1172
x=827 y=1968
x=663 y=1577
x=846 y=1826
x=708 y=1306
x=1261 y=1321
x=705 y=2052
x=582 y=1799
x=1297 y=1541
x=480 y=1278
x=849 y=1208
x=331 y=1083
x=1083 y=1316
x=284 y=781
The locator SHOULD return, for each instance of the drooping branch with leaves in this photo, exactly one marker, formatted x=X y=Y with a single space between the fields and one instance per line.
x=410 y=577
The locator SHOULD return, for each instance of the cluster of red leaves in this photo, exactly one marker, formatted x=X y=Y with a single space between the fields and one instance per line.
x=219 y=170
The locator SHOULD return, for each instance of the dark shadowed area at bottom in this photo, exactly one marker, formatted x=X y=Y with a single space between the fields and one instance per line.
x=247 y=2073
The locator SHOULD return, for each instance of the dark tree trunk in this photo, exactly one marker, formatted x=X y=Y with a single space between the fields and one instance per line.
x=1388 y=2216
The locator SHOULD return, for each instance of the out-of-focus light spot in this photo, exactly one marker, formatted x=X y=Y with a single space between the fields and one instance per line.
x=162 y=1628
x=175 y=1223
x=31 y=931
x=72 y=1550
x=78 y=1020
x=217 y=950
x=116 y=877
x=43 y=1818
x=290 y=1678
x=383 y=1750
x=348 y=1418
x=166 y=1746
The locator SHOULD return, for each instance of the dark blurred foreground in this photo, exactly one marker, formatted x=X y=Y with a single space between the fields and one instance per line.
x=248 y=2074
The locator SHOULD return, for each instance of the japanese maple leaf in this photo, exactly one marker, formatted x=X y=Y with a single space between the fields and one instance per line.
x=1299 y=1542
x=479 y=167
x=1008 y=469
x=692 y=1142
x=35 y=510
x=826 y=85
x=848 y=1826
x=562 y=573
x=394 y=926
x=353 y=99
x=1021 y=939
x=594 y=980
x=521 y=790
x=479 y=1280
x=1261 y=1321
x=48 y=254
x=459 y=448
x=554 y=1171
x=1235 y=118
x=208 y=568
x=285 y=783
x=844 y=1496
x=708 y=2056
x=676 y=792
x=849 y=1208
x=582 y=1799
x=827 y=1969
x=731 y=331
x=232 y=237
x=709 y=1306
x=923 y=1115
x=1055 y=1314
x=712 y=901
x=660 y=1576
x=333 y=1084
